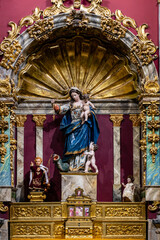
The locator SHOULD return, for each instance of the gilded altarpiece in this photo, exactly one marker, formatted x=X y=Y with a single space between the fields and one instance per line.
x=93 y=49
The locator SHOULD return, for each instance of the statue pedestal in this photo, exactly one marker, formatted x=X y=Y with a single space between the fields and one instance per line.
x=36 y=196
x=70 y=181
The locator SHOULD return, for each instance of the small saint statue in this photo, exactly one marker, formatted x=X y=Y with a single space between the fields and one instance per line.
x=38 y=176
x=128 y=192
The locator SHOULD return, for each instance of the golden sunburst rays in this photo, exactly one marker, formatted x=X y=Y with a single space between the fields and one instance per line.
x=95 y=69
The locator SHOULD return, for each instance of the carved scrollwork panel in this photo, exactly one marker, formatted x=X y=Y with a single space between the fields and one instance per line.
x=124 y=230
x=31 y=212
x=32 y=230
x=135 y=212
x=57 y=211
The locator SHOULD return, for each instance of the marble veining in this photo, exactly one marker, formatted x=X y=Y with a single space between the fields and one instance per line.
x=39 y=142
x=116 y=146
x=87 y=182
x=136 y=155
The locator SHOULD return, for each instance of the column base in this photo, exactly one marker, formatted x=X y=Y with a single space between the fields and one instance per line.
x=5 y=193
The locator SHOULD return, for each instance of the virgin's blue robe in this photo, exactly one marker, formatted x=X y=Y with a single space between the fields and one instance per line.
x=78 y=135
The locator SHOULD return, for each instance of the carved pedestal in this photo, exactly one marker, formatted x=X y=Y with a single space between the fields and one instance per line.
x=86 y=181
x=36 y=196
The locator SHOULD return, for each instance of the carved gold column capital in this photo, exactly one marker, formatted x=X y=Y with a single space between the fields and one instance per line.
x=135 y=118
x=20 y=119
x=39 y=120
x=116 y=119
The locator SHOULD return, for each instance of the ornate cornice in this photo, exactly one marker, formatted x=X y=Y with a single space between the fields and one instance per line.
x=135 y=118
x=39 y=120
x=20 y=119
x=116 y=119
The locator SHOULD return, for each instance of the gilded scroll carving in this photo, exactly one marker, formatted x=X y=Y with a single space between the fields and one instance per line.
x=96 y=8
x=126 y=21
x=57 y=211
x=124 y=229
x=10 y=46
x=123 y=212
x=98 y=211
x=5 y=87
x=3 y=208
x=151 y=86
x=10 y=54
x=112 y=29
x=4 y=111
x=56 y=8
x=155 y=205
x=78 y=18
x=153 y=125
x=143 y=48
x=143 y=143
x=41 y=30
x=32 y=212
x=32 y=230
x=79 y=231
x=59 y=230
x=97 y=230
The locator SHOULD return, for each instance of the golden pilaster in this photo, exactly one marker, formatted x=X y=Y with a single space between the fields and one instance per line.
x=116 y=119
x=39 y=120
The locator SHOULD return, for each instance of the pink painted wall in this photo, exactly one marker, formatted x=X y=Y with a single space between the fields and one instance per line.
x=142 y=11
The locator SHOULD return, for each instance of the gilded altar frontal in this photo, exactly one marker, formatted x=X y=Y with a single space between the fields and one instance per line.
x=79 y=120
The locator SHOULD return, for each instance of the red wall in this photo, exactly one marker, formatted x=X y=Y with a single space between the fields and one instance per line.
x=53 y=141
x=143 y=11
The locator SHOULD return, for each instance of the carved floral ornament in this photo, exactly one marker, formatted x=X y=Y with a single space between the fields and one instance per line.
x=41 y=25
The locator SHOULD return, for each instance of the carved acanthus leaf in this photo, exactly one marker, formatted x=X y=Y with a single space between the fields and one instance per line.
x=126 y=21
x=10 y=46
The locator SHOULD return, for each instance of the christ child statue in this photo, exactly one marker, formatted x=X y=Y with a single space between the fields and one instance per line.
x=86 y=108
x=128 y=192
x=38 y=176
x=91 y=161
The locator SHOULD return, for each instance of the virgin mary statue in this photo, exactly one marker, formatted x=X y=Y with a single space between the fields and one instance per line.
x=78 y=133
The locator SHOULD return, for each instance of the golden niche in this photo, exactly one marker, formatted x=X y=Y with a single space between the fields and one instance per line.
x=93 y=67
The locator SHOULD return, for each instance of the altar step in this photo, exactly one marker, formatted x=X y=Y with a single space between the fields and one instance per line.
x=48 y=221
